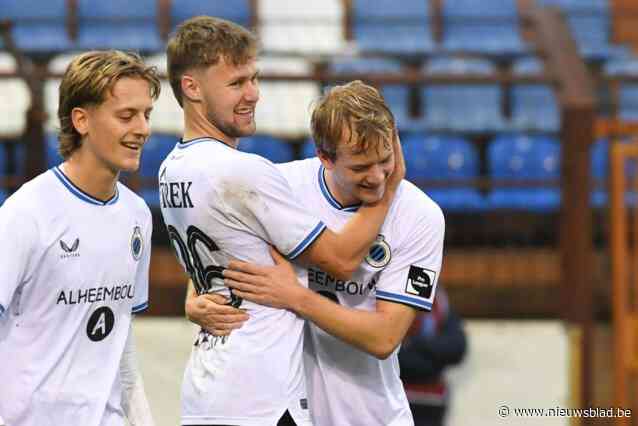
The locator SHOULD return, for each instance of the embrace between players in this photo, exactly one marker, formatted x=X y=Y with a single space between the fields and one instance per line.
x=312 y=342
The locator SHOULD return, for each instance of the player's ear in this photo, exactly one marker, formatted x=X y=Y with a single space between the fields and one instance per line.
x=80 y=120
x=190 y=88
x=327 y=162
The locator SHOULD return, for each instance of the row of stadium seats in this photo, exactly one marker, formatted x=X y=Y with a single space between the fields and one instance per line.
x=312 y=26
x=284 y=108
x=448 y=168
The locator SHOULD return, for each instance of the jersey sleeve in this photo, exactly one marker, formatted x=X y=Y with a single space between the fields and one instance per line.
x=19 y=238
x=268 y=206
x=413 y=272
x=140 y=300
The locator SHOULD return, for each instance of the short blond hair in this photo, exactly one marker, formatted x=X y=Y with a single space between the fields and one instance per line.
x=202 y=41
x=86 y=82
x=356 y=111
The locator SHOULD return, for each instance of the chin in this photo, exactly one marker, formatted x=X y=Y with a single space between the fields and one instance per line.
x=129 y=166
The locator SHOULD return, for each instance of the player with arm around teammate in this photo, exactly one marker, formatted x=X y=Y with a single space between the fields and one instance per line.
x=75 y=257
x=356 y=325
x=219 y=203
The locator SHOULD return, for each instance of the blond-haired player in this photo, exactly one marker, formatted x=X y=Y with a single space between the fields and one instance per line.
x=74 y=258
x=220 y=203
x=355 y=326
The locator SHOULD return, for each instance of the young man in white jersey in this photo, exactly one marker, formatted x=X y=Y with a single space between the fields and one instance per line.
x=75 y=256
x=354 y=332
x=219 y=203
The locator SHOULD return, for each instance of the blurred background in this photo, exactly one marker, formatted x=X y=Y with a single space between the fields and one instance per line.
x=516 y=116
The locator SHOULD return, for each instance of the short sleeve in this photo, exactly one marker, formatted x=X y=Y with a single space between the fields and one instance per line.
x=140 y=300
x=411 y=276
x=19 y=238
x=271 y=210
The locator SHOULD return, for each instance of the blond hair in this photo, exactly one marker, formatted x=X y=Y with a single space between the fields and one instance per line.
x=86 y=82
x=355 y=111
x=200 y=42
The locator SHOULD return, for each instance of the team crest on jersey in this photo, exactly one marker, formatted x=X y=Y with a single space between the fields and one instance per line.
x=380 y=254
x=137 y=244
x=70 y=250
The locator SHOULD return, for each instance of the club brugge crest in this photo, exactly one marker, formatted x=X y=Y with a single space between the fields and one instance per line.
x=137 y=244
x=379 y=255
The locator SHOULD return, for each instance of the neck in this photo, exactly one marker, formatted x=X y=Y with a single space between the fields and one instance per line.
x=341 y=196
x=95 y=179
x=196 y=125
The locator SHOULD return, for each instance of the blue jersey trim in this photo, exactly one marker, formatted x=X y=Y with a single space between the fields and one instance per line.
x=140 y=308
x=417 y=302
x=81 y=194
x=188 y=144
x=329 y=197
x=314 y=234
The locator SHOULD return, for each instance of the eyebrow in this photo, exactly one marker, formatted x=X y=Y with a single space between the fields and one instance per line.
x=368 y=164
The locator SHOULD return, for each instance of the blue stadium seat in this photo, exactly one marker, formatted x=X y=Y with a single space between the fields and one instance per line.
x=53 y=157
x=238 y=11
x=308 y=149
x=397 y=96
x=512 y=158
x=119 y=24
x=491 y=28
x=466 y=107
x=590 y=24
x=628 y=93
x=534 y=106
x=155 y=151
x=267 y=147
x=381 y=26
x=39 y=26
x=435 y=158
x=600 y=173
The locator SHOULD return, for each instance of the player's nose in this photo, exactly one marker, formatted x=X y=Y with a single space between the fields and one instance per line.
x=377 y=175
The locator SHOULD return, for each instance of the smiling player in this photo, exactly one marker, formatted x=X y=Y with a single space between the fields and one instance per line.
x=75 y=255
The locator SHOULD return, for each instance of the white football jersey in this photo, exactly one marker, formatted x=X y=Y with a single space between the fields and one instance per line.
x=219 y=203
x=73 y=270
x=346 y=386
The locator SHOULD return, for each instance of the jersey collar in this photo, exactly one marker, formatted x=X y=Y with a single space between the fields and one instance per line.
x=329 y=197
x=81 y=194
x=187 y=144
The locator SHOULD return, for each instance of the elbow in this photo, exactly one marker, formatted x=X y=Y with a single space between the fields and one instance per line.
x=345 y=270
x=383 y=350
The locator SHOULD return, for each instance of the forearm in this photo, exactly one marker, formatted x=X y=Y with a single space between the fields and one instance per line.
x=134 y=400
x=348 y=247
x=369 y=331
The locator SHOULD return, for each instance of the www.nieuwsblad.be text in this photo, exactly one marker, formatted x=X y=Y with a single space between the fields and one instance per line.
x=505 y=411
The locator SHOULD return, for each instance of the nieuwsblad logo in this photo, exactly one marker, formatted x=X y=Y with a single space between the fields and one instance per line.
x=70 y=251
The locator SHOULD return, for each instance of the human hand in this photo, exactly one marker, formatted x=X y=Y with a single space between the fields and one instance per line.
x=398 y=174
x=211 y=312
x=275 y=286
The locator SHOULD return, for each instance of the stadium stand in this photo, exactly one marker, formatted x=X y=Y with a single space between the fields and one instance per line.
x=534 y=106
x=14 y=99
x=462 y=108
x=523 y=158
x=492 y=28
x=268 y=147
x=39 y=26
x=238 y=11
x=311 y=27
x=284 y=107
x=382 y=27
x=118 y=24
x=446 y=160
x=156 y=149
